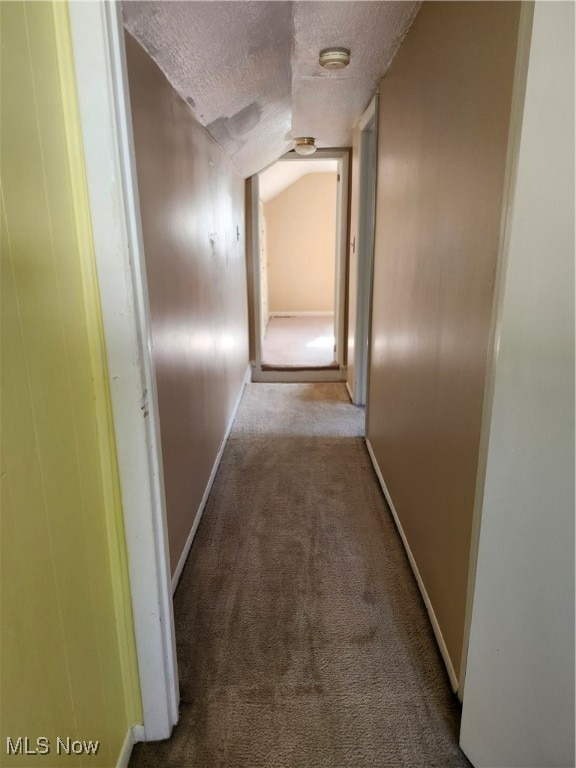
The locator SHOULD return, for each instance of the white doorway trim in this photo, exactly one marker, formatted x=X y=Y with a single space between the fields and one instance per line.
x=365 y=261
x=342 y=157
x=98 y=43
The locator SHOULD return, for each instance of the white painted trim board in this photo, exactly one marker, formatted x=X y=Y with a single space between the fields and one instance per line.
x=104 y=108
x=256 y=309
x=433 y=620
x=133 y=735
x=126 y=751
x=350 y=395
x=210 y=483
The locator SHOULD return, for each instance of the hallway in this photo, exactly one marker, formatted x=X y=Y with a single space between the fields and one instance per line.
x=301 y=635
x=331 y=588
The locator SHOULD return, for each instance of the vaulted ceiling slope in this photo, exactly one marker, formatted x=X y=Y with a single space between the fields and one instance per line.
x=250 y=71
x=274 y=180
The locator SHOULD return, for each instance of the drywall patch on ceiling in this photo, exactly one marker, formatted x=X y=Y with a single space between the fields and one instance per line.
x=231 y=61
x=284 y=173
x=249 y=70
x=222 y=54
x=229 y=131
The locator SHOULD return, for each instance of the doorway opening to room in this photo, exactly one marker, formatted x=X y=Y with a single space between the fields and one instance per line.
x=299 y=247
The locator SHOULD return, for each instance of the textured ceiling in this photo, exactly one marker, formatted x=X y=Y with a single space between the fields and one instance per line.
x=250 y=72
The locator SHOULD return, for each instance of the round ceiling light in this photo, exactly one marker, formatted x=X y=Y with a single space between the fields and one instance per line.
x=334 y=58
x=305 y=145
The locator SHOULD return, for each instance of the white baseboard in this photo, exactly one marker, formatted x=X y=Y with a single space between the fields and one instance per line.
x=126 y=751
x=190 y=539
x=288 y=313
x=133 y=735
x=428 y=604
x=350 y=395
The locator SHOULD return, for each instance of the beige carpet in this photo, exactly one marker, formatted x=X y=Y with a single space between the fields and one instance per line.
x=299 y=341
x=302 y=638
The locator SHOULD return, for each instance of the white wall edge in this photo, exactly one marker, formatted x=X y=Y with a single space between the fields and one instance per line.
x=370 y=113
x=427 y=603
x=99 y=57
x=509 y=186
x=350 y=395
x=209 y=484
x=518 y=658
x=290 y=313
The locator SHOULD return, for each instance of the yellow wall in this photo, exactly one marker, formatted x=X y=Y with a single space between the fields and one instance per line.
x=68 y=660
x=301 y=245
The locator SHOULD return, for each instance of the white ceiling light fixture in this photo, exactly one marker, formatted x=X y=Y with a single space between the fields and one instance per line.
x=305 y=145
x=334 y=58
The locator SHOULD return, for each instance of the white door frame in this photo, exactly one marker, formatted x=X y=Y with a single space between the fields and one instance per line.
x=99 y=55
x=365 y=259
x=343 y=158
x=264 y=314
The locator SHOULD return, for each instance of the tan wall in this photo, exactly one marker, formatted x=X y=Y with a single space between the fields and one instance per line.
x=192 y=201
x=443 y=126
x=301 y=225
x=353 y=255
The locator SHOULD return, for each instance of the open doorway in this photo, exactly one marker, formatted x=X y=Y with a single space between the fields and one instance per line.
x=299 y=222
x=298 y=263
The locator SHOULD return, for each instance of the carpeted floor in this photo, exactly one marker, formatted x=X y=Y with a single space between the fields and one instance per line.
x=302 y=639
x=298 y=341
